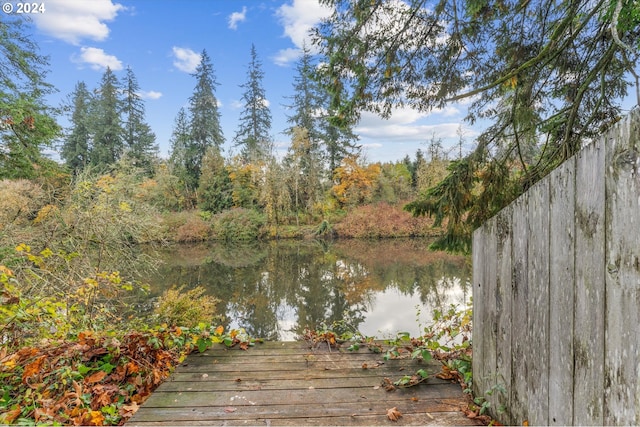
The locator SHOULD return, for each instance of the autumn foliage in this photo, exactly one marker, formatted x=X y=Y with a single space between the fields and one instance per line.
x=383 y=220
x=94 y=380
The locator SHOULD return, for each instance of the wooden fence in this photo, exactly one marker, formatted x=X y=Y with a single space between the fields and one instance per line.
x=556 y=292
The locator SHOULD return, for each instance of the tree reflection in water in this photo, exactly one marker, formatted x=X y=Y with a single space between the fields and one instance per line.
x=277 y=289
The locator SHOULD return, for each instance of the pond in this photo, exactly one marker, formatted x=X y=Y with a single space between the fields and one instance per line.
x=277 y=289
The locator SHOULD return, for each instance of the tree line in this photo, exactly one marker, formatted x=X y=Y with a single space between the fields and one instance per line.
x=547 y=77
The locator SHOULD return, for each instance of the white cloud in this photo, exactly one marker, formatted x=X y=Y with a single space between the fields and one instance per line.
x=151 y=94
x=297 y=19
x=73 y=20
x=407 y=125
x=287 y=56
x=185 y=59
x=236 y=17
x=97 y=59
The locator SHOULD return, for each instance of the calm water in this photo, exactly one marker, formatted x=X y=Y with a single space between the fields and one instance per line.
x=277 y=289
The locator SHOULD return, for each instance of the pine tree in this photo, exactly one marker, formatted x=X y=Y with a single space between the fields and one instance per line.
x=253 y=133
x=76 y=147
x=339 y=142
x=310 y=111
x=205 y=130
x=309 y=103
x=180 y=144
x=139 y=140
x=107 y=141
x=26 y=123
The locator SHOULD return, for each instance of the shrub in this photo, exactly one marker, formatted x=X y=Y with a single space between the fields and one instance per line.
x=238 y=224
x=187 y=309
x=194 y=230
x=383 y=220
x=186 y=226
x=20 y=200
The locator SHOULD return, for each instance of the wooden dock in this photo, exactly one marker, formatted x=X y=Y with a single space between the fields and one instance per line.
x=289 y=383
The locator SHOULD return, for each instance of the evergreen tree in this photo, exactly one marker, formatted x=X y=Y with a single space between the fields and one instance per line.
x=139 y=140
x=180 y=145
x=544 y=74
x=310 y=111
x=107 y=141
x=76 y=147
x=309 y=102
x=305 y=155
x=304 y=171
x=205 y=127
x=215 y=189
x=26 y=123
x=253 y=133
x=339 y=142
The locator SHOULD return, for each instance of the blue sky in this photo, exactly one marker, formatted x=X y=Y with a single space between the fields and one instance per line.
x=161 y=41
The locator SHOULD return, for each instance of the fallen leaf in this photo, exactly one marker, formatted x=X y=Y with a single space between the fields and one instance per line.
x=95 y=418
x=32 y=368
x=96 y=377
x=229 y=409
x=364 y=366
x=128 y=410
x=415 y=399
x=393 y=414
x=10 y=416
x=388 y=385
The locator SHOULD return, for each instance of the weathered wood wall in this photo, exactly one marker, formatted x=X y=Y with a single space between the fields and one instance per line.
x=556 y=292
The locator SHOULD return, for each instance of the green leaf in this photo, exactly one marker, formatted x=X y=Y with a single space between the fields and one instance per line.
x=107 y=367
x=203 y=344
x=83 y=369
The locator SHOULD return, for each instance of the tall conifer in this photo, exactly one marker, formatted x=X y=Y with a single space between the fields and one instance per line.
x=254 y=130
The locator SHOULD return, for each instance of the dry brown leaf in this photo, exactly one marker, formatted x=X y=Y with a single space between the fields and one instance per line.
x=129 y=410
x=10 y=416
x=96 y=377
x=230 y=409
x=393 y=414
x=32 y=368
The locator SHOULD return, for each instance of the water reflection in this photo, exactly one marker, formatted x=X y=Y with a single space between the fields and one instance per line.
x=277 y=289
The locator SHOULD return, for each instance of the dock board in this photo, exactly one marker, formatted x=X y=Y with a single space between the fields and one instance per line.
x=289 y=383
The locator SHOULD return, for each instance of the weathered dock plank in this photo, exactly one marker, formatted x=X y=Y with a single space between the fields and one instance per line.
x=292 y=384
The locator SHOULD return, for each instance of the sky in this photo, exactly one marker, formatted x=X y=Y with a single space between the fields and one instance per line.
x=161 y=40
